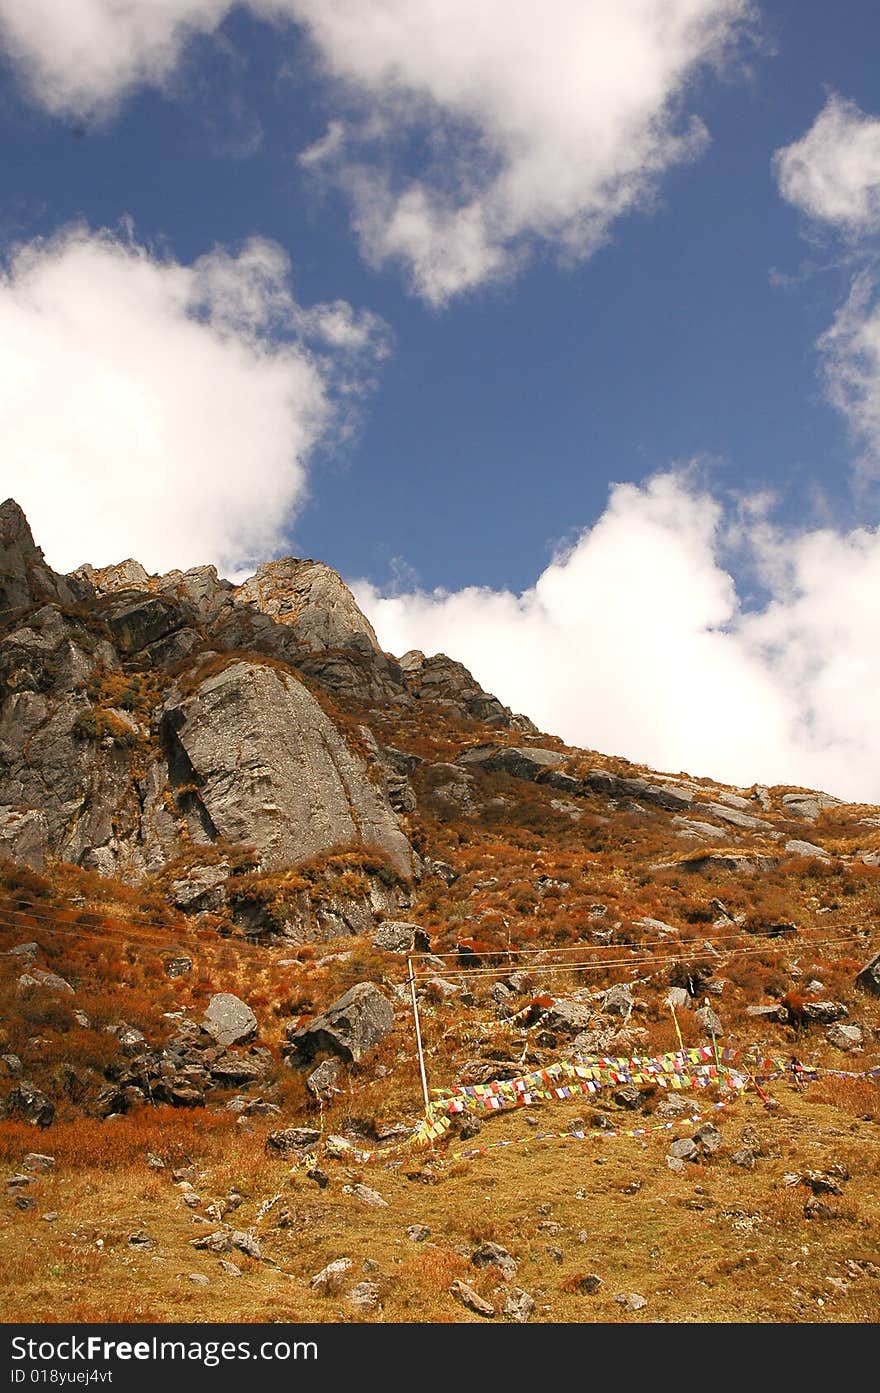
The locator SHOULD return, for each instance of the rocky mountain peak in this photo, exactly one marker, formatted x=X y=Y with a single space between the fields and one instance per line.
x=25 y=578
x=142 y=715
x=313 y=600
x=14 y=527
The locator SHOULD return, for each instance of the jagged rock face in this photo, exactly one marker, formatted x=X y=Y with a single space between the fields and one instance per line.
x=447 y=683
x=25 y=579
x=272 y=770
x=88 y=782
x=57 y=791
x=312 y=600
x=249 y=756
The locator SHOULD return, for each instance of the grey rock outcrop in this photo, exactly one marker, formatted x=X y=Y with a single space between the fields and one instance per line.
x=31 y=1104
x=270 y=769
x=796 y=847
x=522 y=762
x=25 y=578
x=444 y=682
x=313 y=601
x=808 y=806
x=248 y=755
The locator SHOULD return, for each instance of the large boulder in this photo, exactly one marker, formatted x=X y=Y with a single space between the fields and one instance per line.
x=354 y=1024
x=268 y=768
x=229 y=1020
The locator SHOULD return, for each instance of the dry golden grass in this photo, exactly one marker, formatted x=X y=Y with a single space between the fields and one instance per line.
x=717 y=1243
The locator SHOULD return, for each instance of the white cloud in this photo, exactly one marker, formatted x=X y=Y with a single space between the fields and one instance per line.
x=81 y=57
x=330 y=143
x=546 y=122
x=833 y=172
x=851 y=354
x=536 y=125
x=165 y=411
x=634 y=642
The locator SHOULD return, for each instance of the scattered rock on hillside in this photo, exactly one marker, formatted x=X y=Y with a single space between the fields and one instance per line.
x=734 y=816
x=825 y=1182
x=220 y=1241
x=808 y=805
x=471 y=1300
x=589 y=1283
x=679 y=999
x=418 y=1233
x=618 y=1001
x=246 y=1242
x=201 y=888
x=745 y=1158
x=768 y=1013
x=229 y=1020
x=396 y=936
x=38 y=977
x=823 y=1012
x=29 y=1103
x=627 y=1096
x=845 y=1037
x=323 y=1080
x=38 y=1161
x=868 y=977
x=799 y=848
x=567 y=1016
x=518 y=1305
x=351 y=1027
x=493 y=1255
x=329 y=1280
x=366 y=1296
x=467 y=1126
x=366 y=1195
x=178 y=966
x=746 y=863
x=684 y=1149
x=708 y=1137
x=293 y=1139
x=631 y=1300
x=709 y=1020
x=526 y=762
x=676 y=1105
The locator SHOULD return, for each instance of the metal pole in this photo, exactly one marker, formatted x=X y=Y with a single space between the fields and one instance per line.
x=412 y=988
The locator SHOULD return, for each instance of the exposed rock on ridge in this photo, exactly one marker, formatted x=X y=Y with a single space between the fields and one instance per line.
x=272 y=769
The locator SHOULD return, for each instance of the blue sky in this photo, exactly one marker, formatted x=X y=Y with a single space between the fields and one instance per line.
x=508 y=350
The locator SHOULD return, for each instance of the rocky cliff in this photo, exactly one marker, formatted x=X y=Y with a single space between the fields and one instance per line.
x=143 y=716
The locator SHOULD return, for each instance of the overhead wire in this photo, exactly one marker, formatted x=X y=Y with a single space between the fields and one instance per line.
x=112 y=920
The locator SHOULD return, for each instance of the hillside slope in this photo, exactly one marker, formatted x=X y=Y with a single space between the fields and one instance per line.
x=229 y=822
